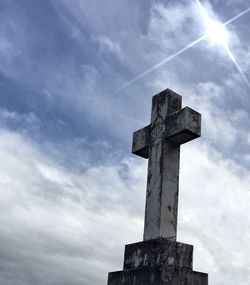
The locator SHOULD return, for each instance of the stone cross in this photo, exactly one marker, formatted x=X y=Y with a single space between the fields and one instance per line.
x=160 y=142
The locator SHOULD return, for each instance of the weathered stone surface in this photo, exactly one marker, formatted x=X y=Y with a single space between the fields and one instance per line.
x=160 y=143
x=163 y=168
x=158 y=262
x=157 y=276
x=140 y=144
x=183 y=126
x=159 y=252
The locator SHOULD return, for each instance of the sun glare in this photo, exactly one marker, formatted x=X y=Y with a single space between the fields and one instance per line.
x=216 y=33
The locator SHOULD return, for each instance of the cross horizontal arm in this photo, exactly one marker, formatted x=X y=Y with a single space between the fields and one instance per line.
x=183 y=126
x=140 y=144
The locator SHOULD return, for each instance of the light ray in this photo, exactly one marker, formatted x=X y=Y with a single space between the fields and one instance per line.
x=230 y=54
x=159 y=64
x=236 y=17
x=203 y=10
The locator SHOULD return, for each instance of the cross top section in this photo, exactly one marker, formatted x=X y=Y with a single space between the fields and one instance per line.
x=160 y=142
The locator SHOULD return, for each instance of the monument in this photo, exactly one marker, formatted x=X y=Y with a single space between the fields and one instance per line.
x=159 y=259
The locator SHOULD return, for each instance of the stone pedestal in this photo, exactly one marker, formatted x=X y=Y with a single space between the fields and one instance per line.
x=158 y=262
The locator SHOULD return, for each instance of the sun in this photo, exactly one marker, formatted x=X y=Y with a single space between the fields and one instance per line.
x=216 y=33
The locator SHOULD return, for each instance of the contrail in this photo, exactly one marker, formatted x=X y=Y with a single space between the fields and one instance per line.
x=186 y=48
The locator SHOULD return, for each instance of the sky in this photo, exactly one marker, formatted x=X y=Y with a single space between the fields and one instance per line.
x=76 y=80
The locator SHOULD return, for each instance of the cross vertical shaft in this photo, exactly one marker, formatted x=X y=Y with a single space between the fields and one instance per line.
x=162 y=184
x=160 y=143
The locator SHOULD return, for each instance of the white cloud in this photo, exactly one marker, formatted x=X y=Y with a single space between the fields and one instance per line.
x=214 y=203
x=54 y=221
x=107 y=44
x=72 y=227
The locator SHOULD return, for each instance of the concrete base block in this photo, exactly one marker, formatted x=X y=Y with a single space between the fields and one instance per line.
x=158 y=252
x=158 y=262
